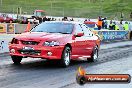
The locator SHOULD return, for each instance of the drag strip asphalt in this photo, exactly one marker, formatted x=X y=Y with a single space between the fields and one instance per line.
x=38 y=73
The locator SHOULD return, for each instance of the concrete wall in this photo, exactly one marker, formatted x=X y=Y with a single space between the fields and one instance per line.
x=4 y=41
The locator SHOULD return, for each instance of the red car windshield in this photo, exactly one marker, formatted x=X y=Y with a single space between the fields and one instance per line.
x=57 y=27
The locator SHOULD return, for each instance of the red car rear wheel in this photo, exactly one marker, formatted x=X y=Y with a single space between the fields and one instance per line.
x=94 y=56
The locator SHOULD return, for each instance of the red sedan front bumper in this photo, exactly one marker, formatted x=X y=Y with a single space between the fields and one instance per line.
x=44 y=52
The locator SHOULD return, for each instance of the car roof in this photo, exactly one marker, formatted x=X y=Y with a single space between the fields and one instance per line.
x=40 y=10
x=72 y=22
x=89 y=22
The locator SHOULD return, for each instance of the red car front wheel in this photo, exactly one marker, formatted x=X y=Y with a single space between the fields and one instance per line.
x=16 y=59
x=65 y=60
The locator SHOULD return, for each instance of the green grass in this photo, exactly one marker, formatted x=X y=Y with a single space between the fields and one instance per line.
x=73 y=8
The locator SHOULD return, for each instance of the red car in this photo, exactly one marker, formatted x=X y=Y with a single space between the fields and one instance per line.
x=5 y=18
x=61 y=41
x=1 y=19
x=91 y=25
x=8 y=19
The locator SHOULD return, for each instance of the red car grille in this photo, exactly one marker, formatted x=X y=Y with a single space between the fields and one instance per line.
x=30 y=42
x=30 y=52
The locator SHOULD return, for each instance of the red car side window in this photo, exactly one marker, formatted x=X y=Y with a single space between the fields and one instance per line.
x=78 y=29
x=86 y=30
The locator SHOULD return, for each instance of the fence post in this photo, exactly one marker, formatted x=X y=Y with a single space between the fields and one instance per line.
x=63 y=12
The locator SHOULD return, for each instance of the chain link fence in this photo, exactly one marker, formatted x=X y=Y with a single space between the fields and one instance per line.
x=61 y=12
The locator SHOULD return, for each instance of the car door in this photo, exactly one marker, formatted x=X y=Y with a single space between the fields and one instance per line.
x=78 y=43
x=89 y=38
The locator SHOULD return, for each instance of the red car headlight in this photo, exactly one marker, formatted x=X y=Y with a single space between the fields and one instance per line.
x=51 y=43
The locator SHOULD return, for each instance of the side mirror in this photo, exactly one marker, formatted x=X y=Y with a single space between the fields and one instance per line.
x=79 y=34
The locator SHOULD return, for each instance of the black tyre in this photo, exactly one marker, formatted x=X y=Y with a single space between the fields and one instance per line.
x=94 y=56
x=16 y=59
x=65 y=58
